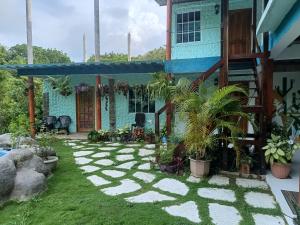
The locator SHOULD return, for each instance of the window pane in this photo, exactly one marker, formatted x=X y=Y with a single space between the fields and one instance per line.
x=179 y=28
x=185 y=17
x=191 y=37
x=145 y=101
x=138 y=102
x=179 y=38
x=192 y=16
x=152 y=107
x=191 y=26
x=197 y=36
x=197 y=16
x=179 y=18
x=185 y=37
x=131 y=101
x=197 y=26
x=185 y=27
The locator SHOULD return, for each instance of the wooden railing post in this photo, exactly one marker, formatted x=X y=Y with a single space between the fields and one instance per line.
x=157 y=124
x=223 y=78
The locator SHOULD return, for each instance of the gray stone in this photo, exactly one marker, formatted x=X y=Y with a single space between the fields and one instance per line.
x=19 y=156
x=28 y=183
x=5 y=140
x=37 y=164
x=7 y=176
x=43 y=152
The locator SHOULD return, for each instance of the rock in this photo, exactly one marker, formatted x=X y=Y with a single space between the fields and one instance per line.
x=28 y=183
x=37 y=164
x=43 y=152
x=19 y=156
x=5 y=140
x=7 y=176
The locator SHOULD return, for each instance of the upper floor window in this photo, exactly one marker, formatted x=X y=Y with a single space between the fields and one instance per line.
x=188 y=27
x=139 y=101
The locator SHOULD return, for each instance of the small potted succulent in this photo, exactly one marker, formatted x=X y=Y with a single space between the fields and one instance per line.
x=279 y=153
x=149 y=136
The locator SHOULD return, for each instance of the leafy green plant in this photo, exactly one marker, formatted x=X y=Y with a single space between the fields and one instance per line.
x=280 y=150
x=45 y=141
x=246 y=159
x=93 y=136
x=149 y=132
x=163 y=132
x=19 y=128
x=62 y=85
x=166 y=156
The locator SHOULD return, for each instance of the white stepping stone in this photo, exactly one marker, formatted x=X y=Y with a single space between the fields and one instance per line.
x=101 y=155
x=89 y=169
x=133 y=145
x=217 y=194
x=172 y=186
x=82 y=160
x=98 y=181
x=145 y=166
x=82 y=153
x=248 y=183
x=145 y=152
x=151 y=146
x=113 y=173
x=261 y=219
x=107 y=148
x=114 y=144
x=84 y=142
x=96 y=145
x=71 y=144
x=78 y=147
x=219 y=180
x=126 y=150
x=188 y=210
x=150 y=197
x=89 y=148
x=149 y=158
x=127 y=166
x=123 y=158
x=126 y=186
x=146 y=177
x=104 y=162
x=222 y=214
x=193 y=179
x=260 y=200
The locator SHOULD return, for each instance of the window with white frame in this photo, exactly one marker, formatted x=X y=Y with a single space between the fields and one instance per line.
x=188 y=27
x=139 y=101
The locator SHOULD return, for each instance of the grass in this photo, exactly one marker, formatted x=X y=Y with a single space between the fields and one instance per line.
x=72 y=199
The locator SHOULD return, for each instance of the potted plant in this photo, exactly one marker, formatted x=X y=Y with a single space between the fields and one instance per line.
x=245 y=164
x=123 y=134
x=149 y=136
x=167 y=161
x=279 y=153
x=163 y=135
x=103 y=135
x=93 y=136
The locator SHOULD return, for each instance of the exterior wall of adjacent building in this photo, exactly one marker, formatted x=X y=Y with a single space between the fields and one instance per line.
x=210 y=43
x=61 y=105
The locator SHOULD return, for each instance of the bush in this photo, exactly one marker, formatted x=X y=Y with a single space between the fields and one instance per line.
x=94 y=136
x=19 y=128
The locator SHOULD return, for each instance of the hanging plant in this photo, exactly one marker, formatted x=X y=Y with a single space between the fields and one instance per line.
x=61 y=85
x=103 y=91
x=139 y=89
x=122 y=88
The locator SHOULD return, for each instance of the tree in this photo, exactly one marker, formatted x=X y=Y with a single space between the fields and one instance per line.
x=155 y=54
x=110 y=57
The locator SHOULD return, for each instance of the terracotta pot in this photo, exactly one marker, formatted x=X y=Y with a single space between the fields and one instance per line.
x=199 y=168
x=281 y=171
x=245 y=168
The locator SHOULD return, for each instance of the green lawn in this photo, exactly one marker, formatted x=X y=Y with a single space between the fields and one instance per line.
x=72 y=199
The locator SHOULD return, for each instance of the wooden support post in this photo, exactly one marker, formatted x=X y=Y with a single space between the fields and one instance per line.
x=268 y=90
x=169 y=111
x=223 y=80
x=254 y=21
x=98 y=104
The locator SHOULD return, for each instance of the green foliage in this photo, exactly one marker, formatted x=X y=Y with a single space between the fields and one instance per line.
x=166 y=156
x=160 y=87
x=93 y=136
x=19 y=127
x=61 y=84
x=155 y=54
x=280 y=149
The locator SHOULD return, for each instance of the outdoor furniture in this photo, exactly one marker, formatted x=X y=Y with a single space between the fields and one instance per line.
x=49 y=122
x=137 y=129
x=64 y=123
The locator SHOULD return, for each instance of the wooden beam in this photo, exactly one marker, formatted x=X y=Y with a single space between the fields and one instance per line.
x=268 y=90
x=98 y=104
x=169 y=30
x=254 y=21
x=249 y=56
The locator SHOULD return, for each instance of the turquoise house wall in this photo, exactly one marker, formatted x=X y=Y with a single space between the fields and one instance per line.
x=60 y=105
x=210 y=43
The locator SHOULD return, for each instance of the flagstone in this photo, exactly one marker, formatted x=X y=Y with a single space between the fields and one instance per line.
x=260 y=200
x=126 y=186
x=146 y=177
x=82 y=153
x=122 y=158
x=145 y=152
x=104 y=162
x=217 y=194
x=127 y=165
x=71 y=144
x=133 y=145
x=82 y=160
x=223 y=214
x=149 y=158
x=113 y=173
x=187 y=210
x=219 y=180
x=98 y=181
x=193 y=179
x=84 y=142
x=78 y=147
x=250 y=183
x=96 y=145
x=126 y=150
x=262 y=219
x=151 y=146
x=107 y=148
x=145 y=166
x=173 y=186
x=89 y=169
x=89 y=148
x=101 y=155
x=114 y=144
x=149 y=197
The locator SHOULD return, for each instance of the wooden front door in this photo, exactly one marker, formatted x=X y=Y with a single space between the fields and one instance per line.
x=86 y=110
x=240 y=31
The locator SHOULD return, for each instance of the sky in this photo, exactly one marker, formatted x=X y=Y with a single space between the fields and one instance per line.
x=60 y=24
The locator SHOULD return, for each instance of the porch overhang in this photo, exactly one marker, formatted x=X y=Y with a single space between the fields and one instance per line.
x=111 y=68
x=164 y=2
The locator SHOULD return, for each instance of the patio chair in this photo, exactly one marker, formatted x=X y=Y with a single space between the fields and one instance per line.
x=137 y=129
x=64 y=123
x=49 y=122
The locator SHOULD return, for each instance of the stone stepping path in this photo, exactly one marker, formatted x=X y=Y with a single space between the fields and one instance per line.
x=149 y=159
x=82 y=160
x=219 y=180
x=89 y=169
x=133 y=145
x=172 y=186
x=151 y=146
x=145 y=166
x=123 y=158
x=217 y=194
x=113 y=173
x=82 y=153
x=260 y=200
x=104 y=162
x=224 y=215
x=71 y=144
x=126 y=150
x=127 y=166
x=146 y=177
x=98 y=181
x=150 y=197
x=101 y=155
x=126 y=186
x=78 y=147
x=248 y=183
x=145 y=152
x=261 y=219
x=114 y=144
x=193 y=179
x=89 y=148
x=188 y=210
x=107 y=148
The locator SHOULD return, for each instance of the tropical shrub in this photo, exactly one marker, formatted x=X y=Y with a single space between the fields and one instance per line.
x=93 y=136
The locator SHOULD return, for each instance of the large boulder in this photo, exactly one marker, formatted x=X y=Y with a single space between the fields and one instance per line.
x=41 y=152
x=19 y=156
x=7 y=177
x=28 y=183
x=37 y=164
x=5 y=140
